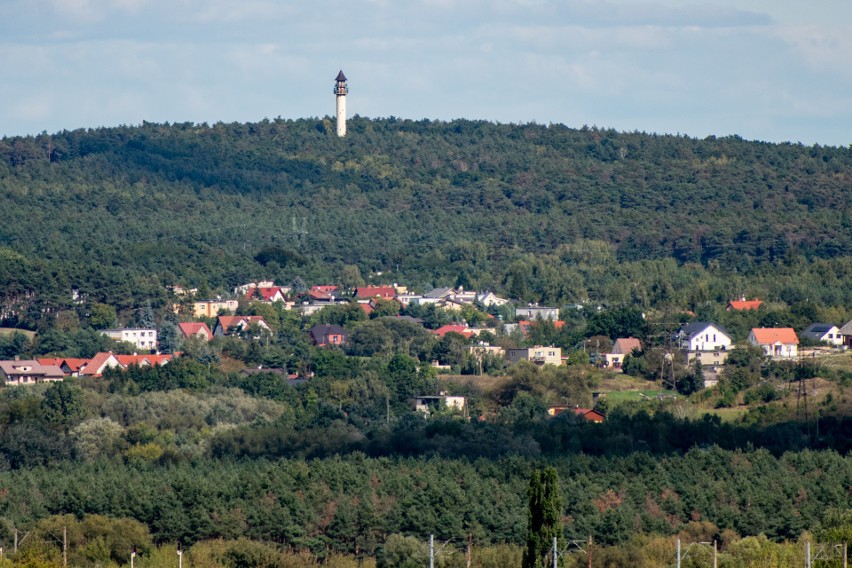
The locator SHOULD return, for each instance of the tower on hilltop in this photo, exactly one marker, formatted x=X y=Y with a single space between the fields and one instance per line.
x=340 y=89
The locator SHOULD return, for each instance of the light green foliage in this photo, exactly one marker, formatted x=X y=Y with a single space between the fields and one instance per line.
x=96 y=437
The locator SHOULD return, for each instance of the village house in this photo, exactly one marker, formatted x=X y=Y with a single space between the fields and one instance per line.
x=489 y=299
x=587 y=414
x=143 y=339
x=743 y=304
x=539 y=355
x=622 y=347
x=226 y=325
x=195 y=329
x=365 y=293
x=706 y=342
x=266 y=294
x=29 y=372
x=243 y=289
x=776 y=342
x=536 y=312
x=824 y=333
x=846 y=334
x=70 y=366
x=212 y=308
x=326 y=334
x=428 y=405
x=461 y=329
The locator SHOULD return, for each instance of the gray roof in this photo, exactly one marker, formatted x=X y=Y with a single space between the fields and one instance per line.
x=846 y=329
x=340 y=76
x=818 y=329
x=438 y=293
x=692 y=329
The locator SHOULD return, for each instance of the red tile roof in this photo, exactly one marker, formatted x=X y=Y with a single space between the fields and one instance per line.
x=460 y=329
x=375 y=292
x=323 y=289
x=190 y=328
x=142 y=360
x=525 y=325
x=74 y=365
x=626 y=345
x=744 y=304
x=96 y=365
x=773 y=335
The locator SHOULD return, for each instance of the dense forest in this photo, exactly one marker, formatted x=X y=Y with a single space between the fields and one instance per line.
x=545 y=213
x=629 y=234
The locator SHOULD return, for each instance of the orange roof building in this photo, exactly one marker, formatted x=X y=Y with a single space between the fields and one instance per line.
x=776 y=342
x=743 y=304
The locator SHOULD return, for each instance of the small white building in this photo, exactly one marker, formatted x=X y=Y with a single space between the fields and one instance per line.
x=429 y=404
x=143 y=339
x=825 y=333
x=776 y=342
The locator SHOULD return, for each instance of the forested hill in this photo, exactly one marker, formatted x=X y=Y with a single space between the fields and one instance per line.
x=118 y=212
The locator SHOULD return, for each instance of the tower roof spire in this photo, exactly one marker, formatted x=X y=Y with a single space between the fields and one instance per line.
x=341 y=76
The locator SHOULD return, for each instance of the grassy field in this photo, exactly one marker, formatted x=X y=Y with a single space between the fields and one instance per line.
x=12 y=330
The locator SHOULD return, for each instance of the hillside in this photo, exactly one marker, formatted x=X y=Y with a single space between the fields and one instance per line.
x=552 y=213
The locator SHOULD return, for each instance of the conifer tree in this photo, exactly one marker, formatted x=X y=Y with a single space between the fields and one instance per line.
x=544 y=516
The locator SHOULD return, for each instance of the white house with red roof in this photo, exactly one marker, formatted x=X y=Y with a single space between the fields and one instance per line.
x=776 y=342
x=98 y=364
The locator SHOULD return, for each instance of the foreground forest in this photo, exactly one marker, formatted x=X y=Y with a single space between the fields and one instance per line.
x=629 y=234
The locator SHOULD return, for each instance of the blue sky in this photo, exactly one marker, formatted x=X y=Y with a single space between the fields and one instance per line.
x=774 y=70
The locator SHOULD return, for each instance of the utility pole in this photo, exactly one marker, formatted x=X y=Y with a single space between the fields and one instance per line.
x=469 y=553
x=431 y=551
x=16 y=541
x=715 y=555
x=590 y=551
x=808 y=554
x=678 y=554
x=845 y=546
x=132 y=556
x=65 y=547
x=180 y=556
x=555 y=553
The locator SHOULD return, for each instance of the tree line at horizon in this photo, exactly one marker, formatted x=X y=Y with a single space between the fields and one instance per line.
x=541 y=213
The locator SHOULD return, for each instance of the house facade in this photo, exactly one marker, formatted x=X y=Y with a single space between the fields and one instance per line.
x=536 y=312
x=846 y=334
x=225 y=325
x=195 y=329
x=539 y=355
x=142 y=339
x=325 y=334
x=212 y=308
x=824 y=333
x=430 y=404
x=622 y=347
x=29 y=372
x=776 y=342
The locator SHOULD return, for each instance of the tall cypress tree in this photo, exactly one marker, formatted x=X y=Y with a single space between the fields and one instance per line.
x=544 y=516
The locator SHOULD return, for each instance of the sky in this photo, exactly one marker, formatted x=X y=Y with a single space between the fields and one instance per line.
x=772 y=70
